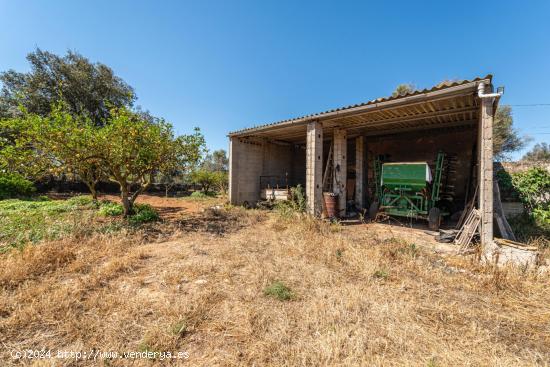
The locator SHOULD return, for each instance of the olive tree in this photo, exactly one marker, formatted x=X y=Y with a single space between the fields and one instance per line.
x=85 y=87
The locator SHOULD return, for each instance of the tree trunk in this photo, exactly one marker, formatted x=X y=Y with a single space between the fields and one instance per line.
x=91 y=187
x=127 y=204
x=94 y=193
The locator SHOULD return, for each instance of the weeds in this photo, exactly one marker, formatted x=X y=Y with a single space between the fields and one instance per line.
x=35 y=220
x=381 y=274
x=296 y=205
x=143 y=213
x=180 y=328
x=110 y=209
x=202 y=195
x=279 y=291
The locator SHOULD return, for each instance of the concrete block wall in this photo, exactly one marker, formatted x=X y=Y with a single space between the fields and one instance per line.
x=246 y=159
x=251 y=158
x=277 y=160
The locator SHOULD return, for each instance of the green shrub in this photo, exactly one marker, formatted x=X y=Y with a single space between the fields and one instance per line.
x=279 y=290
x=143 y=213
x=532 y=187
x=110 y=209
x=202 y=195
x=13 y=185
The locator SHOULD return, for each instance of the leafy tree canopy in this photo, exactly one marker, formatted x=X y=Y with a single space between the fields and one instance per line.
x=506 y=138
x=403 y=89
x=86 y=88
x=216 y=161
x=540 y=152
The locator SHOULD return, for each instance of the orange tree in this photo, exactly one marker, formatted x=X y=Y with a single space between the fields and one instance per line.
x=134 y=149
x=57 y=143
x=129 y=148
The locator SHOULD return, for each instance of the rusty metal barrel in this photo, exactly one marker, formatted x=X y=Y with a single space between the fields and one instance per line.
x=331 y=204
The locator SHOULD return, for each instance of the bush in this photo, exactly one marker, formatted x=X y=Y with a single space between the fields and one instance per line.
x=13 y=185
x=143 y=213
x=532 y=187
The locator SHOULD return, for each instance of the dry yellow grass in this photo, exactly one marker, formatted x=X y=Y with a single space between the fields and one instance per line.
x=357 y=299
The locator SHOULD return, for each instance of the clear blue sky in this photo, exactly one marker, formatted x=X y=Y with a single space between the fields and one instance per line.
x=225 y=65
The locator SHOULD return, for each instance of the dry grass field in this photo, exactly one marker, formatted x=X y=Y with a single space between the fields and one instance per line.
x=244 y=287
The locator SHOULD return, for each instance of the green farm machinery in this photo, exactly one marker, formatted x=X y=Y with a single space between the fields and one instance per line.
x=408 y=189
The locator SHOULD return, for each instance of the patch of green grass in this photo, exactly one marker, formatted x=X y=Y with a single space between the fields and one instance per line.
x=381 y=274
x=202 y=195
x=83 y=200
x=279 y=291
x=37 y=219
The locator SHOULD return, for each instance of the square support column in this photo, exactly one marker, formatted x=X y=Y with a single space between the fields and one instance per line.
x=340 y=168
x=314 y=168
x=486 y=176
x=360 y=172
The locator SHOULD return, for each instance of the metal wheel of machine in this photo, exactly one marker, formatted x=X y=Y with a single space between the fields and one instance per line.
x=434 y=218
x=373 y=209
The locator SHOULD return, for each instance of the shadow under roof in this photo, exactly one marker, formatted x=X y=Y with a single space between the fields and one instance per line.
x=442 y=106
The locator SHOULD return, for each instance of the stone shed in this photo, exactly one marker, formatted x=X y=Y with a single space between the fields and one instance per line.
x=455 y=117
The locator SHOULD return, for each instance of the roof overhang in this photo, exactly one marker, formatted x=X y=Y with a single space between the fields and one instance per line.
x=447 y=105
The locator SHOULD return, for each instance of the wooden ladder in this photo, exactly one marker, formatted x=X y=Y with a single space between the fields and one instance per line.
x=329 y=172
x=468 y=230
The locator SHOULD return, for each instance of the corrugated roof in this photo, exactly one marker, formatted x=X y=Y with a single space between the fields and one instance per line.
x=437 y=87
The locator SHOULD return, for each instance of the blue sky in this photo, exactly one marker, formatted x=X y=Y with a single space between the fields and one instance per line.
x=225 y=65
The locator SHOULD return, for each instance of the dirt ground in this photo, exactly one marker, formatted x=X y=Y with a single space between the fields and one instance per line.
x=366 y=294
x=169 y=208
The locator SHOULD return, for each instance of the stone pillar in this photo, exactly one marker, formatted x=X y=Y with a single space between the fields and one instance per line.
x=340 y=168
x=360 y=172
x=486 y=176
x=314 y=168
